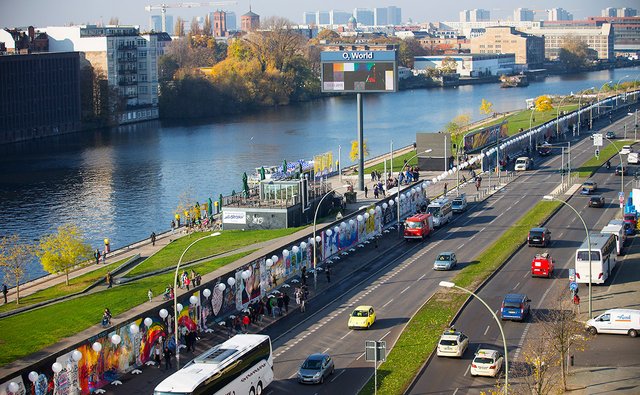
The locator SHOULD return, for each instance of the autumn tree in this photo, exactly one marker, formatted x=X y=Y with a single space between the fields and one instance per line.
x=63 y=250
x=195 y=26
x=178 y=28
x=408 y=50
x=114 y=21
x=328 y=35
x=543 y=103
x=206 y=27
x=354 y=155
x=573 y=53
x=486 y=107
x=448 y=65
x=14 y=258
x=538 y=371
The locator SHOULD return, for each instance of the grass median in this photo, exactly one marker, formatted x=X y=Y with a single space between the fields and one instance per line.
x=31 y=331
x=420 y=336
x=592 y=165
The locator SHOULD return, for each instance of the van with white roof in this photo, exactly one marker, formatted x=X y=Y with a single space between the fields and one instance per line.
x=616 y=321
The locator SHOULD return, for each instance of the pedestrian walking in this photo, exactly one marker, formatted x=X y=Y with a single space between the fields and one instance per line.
x=150 y=294
x=157 y=354
x=366 y=191
x=274 y=306
x=303 y=303
x=327 y=271
x=286 y=299
x=153 y=238
x=445 y=188
x=245 y=323
x=104 y=257
x=96 y=255
x=109 y=280
x=280 y=302
x=167 y=358
x=303 y=275
x=5 y=291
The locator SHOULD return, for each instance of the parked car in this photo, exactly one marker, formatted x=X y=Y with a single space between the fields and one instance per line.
x=452 y=344
x=539 y=237
x=486 y=363
x=610 y=135
x=515 y=307
x=626 y=149
x=445 y=261
x=620 y=170
x=596 y=201
x=315 y=369
x=588 y=187
x=616 y=321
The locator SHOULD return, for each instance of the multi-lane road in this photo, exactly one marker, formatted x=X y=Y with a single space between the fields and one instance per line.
x=401 y=279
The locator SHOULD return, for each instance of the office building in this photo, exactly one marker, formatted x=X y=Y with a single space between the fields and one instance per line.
x=155 y=23
x=364 y=16
x=337 y=17
x=470 y=65
x=380 y=17
x=309 y=17
x=619 y=12
x=40 y=95
x=394 y=15
x=523 y=14
x=559 y=14
x=231 y=21
x=476 y=15
x=528 y=48
x=599 y=38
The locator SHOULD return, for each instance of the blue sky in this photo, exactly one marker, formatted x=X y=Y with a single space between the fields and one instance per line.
x=63 y=12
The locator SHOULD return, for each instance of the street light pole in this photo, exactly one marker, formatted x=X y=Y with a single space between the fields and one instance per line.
x=586 y=230
x=598 y=95
x=175 y=295
x=398 y=194
x=617 y=85
x=530 y=126
x=448 y=284
x=558 y=115
x=621 y=168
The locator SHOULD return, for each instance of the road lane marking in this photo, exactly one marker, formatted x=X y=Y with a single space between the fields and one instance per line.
x=456 y=391
x=361 y=355
x=345 y=335
x=325 y=351
x=405 y=290
x=385 y=335
x=385 y=305
x=338 y=375
x=525 y=274
x=516 y=285
x=421 y=277
x=467 y=371
x=486 y=330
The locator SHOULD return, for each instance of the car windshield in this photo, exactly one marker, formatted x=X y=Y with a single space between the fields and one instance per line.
x=595 y=198
x=483 y=360
x=448 y=342
x=535 y=233
x=444 y=257
x=520 y=161
x=360 y=313
x=435 y=211
x=512 y=303
x=312 y=364
x=414 y=225
x=457 y=201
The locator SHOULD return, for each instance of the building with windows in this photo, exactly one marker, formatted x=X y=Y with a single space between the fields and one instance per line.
x=619 y=12
x=219 y=24
x=471 y=65
x=598 y=38
x=476 y=15
x=309 y=17
x=249 y=21
x=380 y=17
x=24 y=41
x=394 y=15
x=40 y=95
x=559 y=14
x=155 y=23
x=364 y=16
x=523 y=14
x=527 y=48
x=128 y=59
x=337 y=17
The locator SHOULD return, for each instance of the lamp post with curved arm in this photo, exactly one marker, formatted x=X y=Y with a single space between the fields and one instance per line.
x=530 y=126
x=175 y=294
x=617 y=85
x=586 y=230
x=315 y=242
x=401 y=170
x=598 y=95
x=622 y=168
x=580 y=107
x=448 y=284
x=558 y=114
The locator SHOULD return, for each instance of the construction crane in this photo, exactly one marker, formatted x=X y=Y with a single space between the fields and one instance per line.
x=163 y=8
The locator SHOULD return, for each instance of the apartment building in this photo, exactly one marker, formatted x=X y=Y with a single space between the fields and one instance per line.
x=476 y=15
x=598 y=38
x=619 y=12
x=528 y=48
x=559 y=14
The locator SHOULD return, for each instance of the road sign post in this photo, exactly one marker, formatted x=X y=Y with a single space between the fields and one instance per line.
x=375 y=351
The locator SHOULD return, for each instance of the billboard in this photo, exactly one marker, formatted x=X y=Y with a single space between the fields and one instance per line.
x=359 y=71
x=484 y=137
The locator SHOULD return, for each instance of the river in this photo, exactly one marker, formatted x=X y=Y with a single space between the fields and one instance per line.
x=124 y=183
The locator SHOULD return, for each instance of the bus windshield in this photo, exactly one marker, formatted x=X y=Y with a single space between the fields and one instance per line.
x=584 y=255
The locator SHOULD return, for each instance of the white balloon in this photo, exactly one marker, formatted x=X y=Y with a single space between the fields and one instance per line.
x=351 y=222
x=391 y=202
x=116 y=339
x=402 y=197
x=336 y=229
x=366 y=215
x=207 y=292
x=231 y=281
x=179 y=307
x=148 y=322
x=303 y=245
x=285 y=253
x=222 y=287
x=33 y=376
x=269 y=262
x=96 y=346
x=378 y=209
x=318 y=239
x=14 y=387
x=450 y=171
x=359 y=218
x=295 y=249
x=77 y=355
x=384 y=206
x=163 y=313
x=245 y=274
x=133 y=328
x=434 y=180
x=193 y=299
x=343 y=225
x=372 y=212
x=275 y=257
x=329 y=232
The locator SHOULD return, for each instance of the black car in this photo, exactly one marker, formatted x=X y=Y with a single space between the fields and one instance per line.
x=610 y=135
x=620 y=170
x=539 y=237
x=596 y=201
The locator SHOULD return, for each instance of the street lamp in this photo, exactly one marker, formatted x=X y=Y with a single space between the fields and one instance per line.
x=586 y=230
x=315 y=241
x=175 y=295
x=530 y=126
x=401 y=170
x=621 y=168
x=580 y=107
x=448 y=284
x=617 y=85
x=598 y=95
x=558 y=114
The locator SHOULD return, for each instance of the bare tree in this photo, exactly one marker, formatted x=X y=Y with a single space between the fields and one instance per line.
x=538 y=373
x=206 y=27
x=114 y=21
x=195 y=27
x=14 y=258
x=179 y=27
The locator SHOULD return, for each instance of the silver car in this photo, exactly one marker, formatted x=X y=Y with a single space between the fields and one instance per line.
x=315 y=369
x=445 y=261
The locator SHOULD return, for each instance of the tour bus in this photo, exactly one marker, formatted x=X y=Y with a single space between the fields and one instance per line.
x=603 y=259
x=618 y=232
x=441 y=211
x=241 y=365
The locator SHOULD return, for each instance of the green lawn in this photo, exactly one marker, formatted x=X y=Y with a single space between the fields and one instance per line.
x=420 y=336
x=228 y=240
x=31 y=331
x=592 y=165
x=398 y=163
x=76 y=284
x=522 y=118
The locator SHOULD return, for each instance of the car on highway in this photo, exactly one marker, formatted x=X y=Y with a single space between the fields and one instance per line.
x=626 y=149
x=459 y=204
x=616 y=321
x=544 y=149
x=362 y=317
x=315 y=369
x=452 y=343
x=486 y=362
x=633 y=158
x=539 y=237
x=515 y=307
x=596 y=201
x=589 y=187
x=542 y=265
x=620 y=170
x=610 y=135
x=523 y=163
x=445 y=261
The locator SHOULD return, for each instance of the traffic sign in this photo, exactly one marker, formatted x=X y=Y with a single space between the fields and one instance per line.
x=621 y=197
x=573 y=286
x=597 y=139
x=597 y=153
x=375 y=351
x=572 y=275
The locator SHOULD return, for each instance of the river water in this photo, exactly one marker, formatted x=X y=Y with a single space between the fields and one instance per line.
x=124 y=183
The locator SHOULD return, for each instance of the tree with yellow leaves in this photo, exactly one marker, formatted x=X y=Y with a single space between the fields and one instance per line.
x=543 y=103
x=14 y=258
x=486 y=107
x=355 y=150
x=63 y=250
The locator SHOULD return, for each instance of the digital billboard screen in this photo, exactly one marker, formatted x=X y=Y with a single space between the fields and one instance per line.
x=359 y=71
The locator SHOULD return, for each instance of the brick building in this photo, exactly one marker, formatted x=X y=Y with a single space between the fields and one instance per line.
x=528 y=49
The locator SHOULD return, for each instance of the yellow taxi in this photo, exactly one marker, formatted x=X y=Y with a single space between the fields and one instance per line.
x=362 y=317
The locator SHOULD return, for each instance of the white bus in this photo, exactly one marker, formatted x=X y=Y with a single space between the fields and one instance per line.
x=618 y=232
x=603 y=259
x=441 y=211
x=241 y=365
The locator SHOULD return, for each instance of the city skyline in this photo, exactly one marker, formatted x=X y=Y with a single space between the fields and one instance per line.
x=132 y=12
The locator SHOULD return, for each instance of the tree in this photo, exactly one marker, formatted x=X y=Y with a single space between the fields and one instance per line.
x=179 y=27
x=486 y=107
x=408 y=50
x=328 y=35
x=63 y=250
x=448 y=65
x=14 y=258
x=167 y=67
x=195 y=27
x=538 y=373
x=573 y=53
x=206 y=28
x=543 y=103
x=114 y=21
x=355 y=150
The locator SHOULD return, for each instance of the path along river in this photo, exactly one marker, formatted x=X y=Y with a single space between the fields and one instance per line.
x=124 y=183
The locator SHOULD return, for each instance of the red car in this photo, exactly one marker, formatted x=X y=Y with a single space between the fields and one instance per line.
x=542 y=265
x=632 y=220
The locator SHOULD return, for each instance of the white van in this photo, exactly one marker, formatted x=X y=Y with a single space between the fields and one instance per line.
x=616 y=321
x=632 y=158
x=523 y=163
x=618 y=232
x=441 y=211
